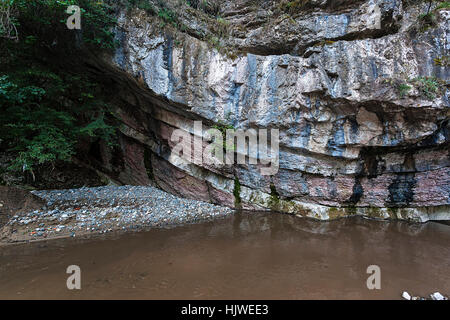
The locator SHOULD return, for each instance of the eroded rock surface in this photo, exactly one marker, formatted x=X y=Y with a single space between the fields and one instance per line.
x=358 y=90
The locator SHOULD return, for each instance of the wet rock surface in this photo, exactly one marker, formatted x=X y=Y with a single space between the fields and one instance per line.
x=73 y=212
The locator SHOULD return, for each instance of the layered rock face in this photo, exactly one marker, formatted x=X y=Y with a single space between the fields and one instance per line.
x=358 y=91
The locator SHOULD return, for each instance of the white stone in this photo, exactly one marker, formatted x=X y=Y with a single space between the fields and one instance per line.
x=437 y=296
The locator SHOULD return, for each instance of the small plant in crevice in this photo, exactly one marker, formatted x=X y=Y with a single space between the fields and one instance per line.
x=400 y=85
x=428 y=19
x=222 y=27
x=223 y=127
x=143 y=5
x=403 y=89
x=274 y=200
x=209 y=7
x=295 y=6
x=237 y=193
x=443 y=61
x=443 y=5
x=214 y=42
x=168 y=16
x=429 y=87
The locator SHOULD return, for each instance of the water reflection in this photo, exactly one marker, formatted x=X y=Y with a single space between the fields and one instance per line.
x=248 y=256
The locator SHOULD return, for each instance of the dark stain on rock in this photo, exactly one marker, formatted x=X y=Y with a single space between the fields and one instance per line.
x=374 y=68
x=305 y=134
x=372 y=164
x=167 y=56
x=332 y=188
x=443 y=132
x=354 y=128
x=148 y=163
x=337 y=140
x=167 y=53
x=237 y=193
x=401 y=190
x=358 y=192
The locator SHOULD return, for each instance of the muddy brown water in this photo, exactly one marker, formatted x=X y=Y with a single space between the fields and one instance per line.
x=248 y=256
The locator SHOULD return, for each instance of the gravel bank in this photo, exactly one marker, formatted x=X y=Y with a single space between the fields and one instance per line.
x=75 y=212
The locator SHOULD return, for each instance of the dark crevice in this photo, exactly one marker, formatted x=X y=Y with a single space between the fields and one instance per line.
x=358 y=192
x=148 y=163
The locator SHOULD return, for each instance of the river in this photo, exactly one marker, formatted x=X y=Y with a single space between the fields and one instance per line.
x=246 y=256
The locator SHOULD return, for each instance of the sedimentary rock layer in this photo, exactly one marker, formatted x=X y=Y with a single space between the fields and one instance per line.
x=358 y=90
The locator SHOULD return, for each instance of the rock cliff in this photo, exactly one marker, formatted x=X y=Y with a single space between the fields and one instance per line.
x=358 y=89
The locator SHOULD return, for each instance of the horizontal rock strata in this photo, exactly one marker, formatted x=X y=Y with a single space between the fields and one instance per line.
x=357 y=89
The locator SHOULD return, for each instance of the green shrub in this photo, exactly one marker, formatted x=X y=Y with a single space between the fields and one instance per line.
x=47 y=19
x=168 y=16
x=223 y=127
x=403 y=89
x=428 y=87
x=428 y=19
x=47 y=100
x=37 y=125
x=143 y=5
x=443 y=5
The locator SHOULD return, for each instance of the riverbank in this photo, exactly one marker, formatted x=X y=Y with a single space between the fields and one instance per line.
x=90 y=211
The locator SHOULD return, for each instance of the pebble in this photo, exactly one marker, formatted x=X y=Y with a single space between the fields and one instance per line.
x=437 y=296
x=405 y=295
